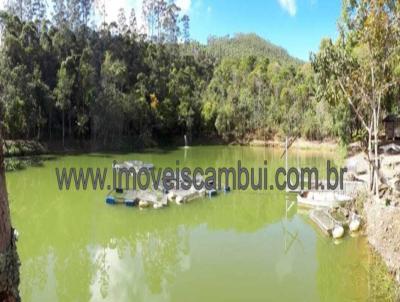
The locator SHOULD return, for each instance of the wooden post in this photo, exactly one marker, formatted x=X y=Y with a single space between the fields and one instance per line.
x=286 y=160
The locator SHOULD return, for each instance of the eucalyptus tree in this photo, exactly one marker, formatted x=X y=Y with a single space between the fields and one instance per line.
x=16 y=7
x=133 y=23
x=85 y=7
x=55 y=75
x=160 y=7
x=160 y=19
x=185 y=28
x=39 y=8
x=170 y=23
x=101 y=8
x=64 y=90
x=111 y=103
x=88 y=91
x=33 y=10
x=122 y=22
x=28 y=10
x=73 y=14
x=149 y=17
x=363 y=66
x=59 y=13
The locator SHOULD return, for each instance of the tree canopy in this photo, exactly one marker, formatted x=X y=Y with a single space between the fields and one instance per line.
x=64 y=78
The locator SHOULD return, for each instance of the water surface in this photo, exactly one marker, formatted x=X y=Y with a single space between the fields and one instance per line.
x=242 y=246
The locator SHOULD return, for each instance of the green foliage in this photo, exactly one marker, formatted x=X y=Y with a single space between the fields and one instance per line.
x=67 y=81
x=360 y=69
x=251 y=94
x=244 y=45
x=64 y=80
x=22 y=148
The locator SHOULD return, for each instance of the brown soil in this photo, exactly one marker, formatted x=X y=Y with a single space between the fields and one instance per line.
x=383 y=232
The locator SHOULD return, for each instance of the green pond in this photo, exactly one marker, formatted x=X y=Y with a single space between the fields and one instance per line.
x=240 y=246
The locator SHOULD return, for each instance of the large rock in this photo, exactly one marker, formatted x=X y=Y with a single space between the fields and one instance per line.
x=358 y=164
x=390 y=166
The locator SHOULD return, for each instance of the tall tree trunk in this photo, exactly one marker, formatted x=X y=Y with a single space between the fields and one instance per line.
x=9 y=261
x=370 y=169
x=69 y=125
x=38 y=125
x=50 y=124
x=63 y=128
x=376 y=141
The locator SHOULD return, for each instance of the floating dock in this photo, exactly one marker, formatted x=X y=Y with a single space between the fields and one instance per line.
x=328 y=199
x=139 y=198
x=323 y=220
x=157 y=198
x=133 y=164
x=181 y=196
x=326 y=221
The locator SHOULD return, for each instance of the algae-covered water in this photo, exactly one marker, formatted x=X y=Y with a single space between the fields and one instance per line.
x=242 y=246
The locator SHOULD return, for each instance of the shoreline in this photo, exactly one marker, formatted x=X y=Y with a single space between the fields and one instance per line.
x=328 y=145
x=383 y=233
x=381 y=216
x=21 y=148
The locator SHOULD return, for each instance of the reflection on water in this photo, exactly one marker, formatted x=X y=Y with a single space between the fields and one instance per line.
x=237 y=247
x=140 y=272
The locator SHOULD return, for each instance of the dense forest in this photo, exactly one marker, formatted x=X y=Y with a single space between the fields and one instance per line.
x=248 y=45
x=64 y=77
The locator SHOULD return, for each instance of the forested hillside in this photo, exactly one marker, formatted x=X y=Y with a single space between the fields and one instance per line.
x=64 y=79
x=242 y=45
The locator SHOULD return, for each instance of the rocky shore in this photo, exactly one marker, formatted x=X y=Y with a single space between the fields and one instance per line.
x=382 y=215
x=383 y=233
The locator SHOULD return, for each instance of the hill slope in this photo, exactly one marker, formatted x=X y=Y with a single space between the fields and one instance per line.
x=241 y=45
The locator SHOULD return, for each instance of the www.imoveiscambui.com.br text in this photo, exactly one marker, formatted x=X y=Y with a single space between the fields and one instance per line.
x=237 y=178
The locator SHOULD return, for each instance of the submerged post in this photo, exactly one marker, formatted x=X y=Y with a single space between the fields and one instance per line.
x=286 y=160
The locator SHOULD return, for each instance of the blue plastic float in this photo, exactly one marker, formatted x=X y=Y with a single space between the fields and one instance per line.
x=110 y=200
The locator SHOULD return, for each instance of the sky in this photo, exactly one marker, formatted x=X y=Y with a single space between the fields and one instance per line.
x=296 y=25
